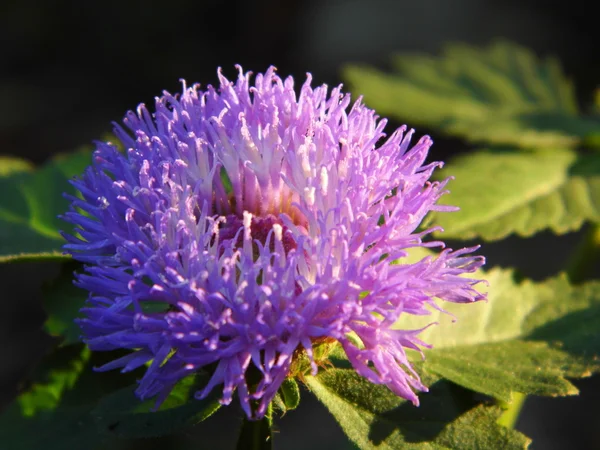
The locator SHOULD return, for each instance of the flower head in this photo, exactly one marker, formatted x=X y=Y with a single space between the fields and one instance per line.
x=244 y=225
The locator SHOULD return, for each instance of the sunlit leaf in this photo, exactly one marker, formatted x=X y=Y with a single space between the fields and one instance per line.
x=374 y=418
x=501 y=94
x=500 y=369
x=505 y=192
x=529 y=337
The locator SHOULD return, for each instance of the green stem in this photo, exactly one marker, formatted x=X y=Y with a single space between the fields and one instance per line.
x=585 y=255
x=257 y=434
x=512 y=410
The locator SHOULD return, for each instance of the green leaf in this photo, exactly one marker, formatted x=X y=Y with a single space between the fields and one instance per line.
x=374 y=418
x=70 y=406
x=58 y=400
x=520 y=192
x=68 y=428
x=10 y=165
x=500 y=369
x=62 y=302
x=122 y=414
x=529 y=337
x=288 y=396
x=479 y=429
x=65 y=379
x=37 y=419
x=30 y=203
x=290 y=393
x=86 y=417
x=500 y=94
x=57 y=374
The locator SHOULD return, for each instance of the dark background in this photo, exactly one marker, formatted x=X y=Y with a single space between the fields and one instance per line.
x=67 y=69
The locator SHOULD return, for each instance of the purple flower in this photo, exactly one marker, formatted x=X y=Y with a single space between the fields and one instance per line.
x=245 y=225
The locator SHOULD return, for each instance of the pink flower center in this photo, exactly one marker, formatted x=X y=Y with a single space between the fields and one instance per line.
x=260 y=228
